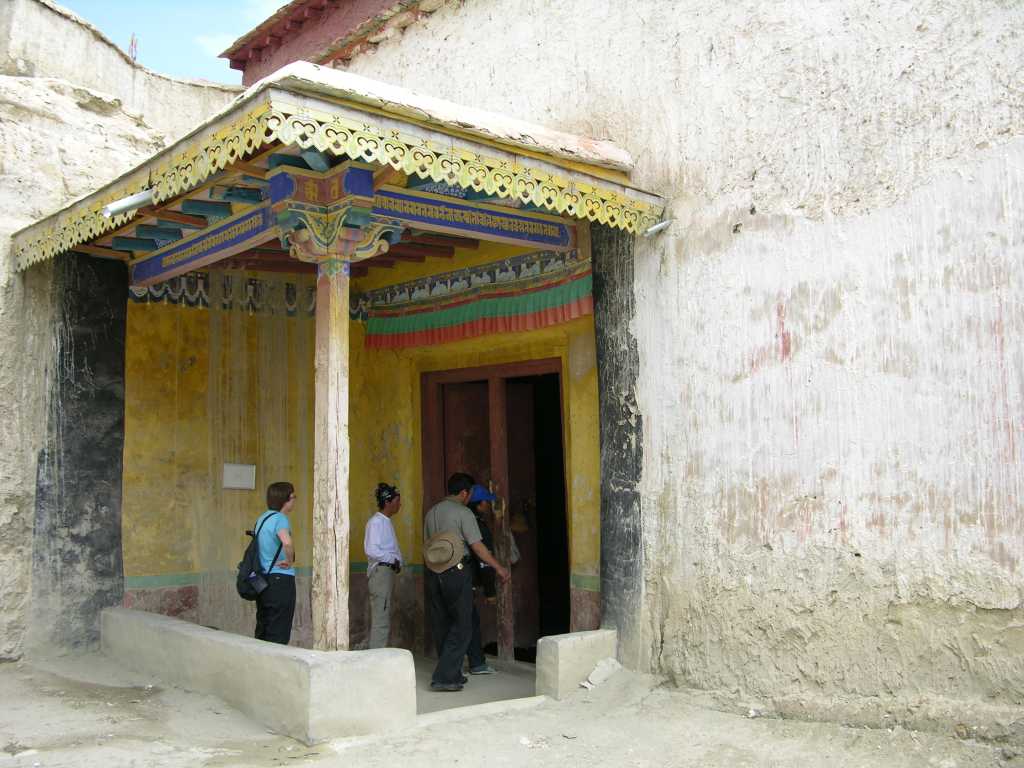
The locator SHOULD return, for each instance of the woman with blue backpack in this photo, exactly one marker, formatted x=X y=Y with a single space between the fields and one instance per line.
x=275 y=604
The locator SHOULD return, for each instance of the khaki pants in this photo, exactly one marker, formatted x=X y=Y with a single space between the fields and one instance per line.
x=382 y=580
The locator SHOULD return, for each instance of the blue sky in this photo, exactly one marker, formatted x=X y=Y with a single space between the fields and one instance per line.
x=180 y=38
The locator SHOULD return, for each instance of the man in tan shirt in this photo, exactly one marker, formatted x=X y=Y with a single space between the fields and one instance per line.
x=450 y=592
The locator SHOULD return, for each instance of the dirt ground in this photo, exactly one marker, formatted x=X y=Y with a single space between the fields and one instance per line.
x=85 y=711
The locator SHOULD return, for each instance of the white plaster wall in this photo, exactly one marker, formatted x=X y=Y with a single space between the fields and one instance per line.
x=39 y=38
x=830 y=333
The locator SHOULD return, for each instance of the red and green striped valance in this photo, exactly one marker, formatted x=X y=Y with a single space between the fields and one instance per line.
x=499 y=308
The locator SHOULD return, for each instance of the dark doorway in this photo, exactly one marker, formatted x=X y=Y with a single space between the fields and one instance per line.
x=537 y=511
x=503 y=425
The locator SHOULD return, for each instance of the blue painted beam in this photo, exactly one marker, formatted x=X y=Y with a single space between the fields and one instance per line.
x=133 y=244
x=166 y=234
x=316 y=160
x=209 y=208
x=290 y=161
x=238 y=194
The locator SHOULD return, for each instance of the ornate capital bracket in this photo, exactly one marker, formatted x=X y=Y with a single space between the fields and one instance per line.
x=327 y=219
x=335 y=247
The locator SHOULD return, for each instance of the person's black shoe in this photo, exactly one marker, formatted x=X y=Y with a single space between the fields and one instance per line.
x=463 y=679
x=442 y=687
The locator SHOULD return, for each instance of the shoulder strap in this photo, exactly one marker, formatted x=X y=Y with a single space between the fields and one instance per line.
x=257 y=538
x=260 y=528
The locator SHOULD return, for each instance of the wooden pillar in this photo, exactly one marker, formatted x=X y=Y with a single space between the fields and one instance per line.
x=331 y=459
x=327 y=220
x=503 y=532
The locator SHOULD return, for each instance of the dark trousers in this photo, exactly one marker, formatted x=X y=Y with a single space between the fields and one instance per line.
x=450 y=595
x=476 y=647
x=275 y=609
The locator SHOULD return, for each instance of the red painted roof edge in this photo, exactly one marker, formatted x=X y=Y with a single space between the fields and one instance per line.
x=285 y=13
x=276 y=27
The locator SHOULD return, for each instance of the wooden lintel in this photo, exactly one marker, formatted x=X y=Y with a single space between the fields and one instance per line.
x=397 y=256
x=379 y=262
x=388 y=175
x=262 y=251
x=416 y=249
x=257 y=265
x=103 y=253
x=360 y=270
x=250 y=168
x=445 y=240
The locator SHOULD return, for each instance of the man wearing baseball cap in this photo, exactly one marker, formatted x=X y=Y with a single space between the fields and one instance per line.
x=451 y=532
x=479 y=503
x=383 y=562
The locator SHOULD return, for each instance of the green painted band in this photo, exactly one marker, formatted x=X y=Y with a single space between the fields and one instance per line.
x=585 y=582
x=163 y=580
x=498 y=307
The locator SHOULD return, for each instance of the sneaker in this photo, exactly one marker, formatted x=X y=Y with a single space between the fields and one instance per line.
x=483 y=669
x=444 y=687
x=463 y=679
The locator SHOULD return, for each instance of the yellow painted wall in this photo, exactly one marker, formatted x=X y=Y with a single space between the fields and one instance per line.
x=205 y=387
x=385 y=421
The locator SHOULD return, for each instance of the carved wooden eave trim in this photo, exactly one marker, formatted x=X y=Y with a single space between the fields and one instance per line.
x=307 y=106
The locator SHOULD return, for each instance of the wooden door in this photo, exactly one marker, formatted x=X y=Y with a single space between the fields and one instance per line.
x=465 y=429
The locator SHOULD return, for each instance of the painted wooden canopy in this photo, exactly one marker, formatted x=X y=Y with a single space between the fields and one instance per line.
x=306 y=142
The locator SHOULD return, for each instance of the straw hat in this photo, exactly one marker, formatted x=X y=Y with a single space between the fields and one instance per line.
x=442 y=551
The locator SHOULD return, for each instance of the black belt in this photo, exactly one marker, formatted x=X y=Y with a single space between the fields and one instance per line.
x=464 y=563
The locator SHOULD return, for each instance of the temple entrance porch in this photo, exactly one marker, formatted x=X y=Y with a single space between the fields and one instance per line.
x=294 y=268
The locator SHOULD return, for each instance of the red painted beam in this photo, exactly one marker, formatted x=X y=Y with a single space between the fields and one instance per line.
x=415 y=249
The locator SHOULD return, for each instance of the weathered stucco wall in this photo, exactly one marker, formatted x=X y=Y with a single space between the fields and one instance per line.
x=39 y=38
x=76 y=542
x=57 y=141
x=830 y=371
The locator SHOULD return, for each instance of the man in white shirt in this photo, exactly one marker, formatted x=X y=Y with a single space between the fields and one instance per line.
x=383 y=562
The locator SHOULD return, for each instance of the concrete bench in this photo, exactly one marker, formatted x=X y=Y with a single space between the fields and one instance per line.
x=308 y=695
x=564 y=661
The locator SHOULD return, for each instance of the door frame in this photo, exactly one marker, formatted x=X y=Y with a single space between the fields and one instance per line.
x=433 y=453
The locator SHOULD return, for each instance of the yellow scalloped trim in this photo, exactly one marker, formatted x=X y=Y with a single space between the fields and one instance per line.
x=360 y=141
